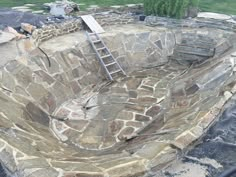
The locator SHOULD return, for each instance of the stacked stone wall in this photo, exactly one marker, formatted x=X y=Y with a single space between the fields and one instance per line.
x=53 y=30
x=70 y=26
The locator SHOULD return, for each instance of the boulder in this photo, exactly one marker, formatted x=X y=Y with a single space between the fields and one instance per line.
x=62 y=8
x=26 y=27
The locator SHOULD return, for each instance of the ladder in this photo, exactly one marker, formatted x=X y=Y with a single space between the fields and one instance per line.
x=107 y=60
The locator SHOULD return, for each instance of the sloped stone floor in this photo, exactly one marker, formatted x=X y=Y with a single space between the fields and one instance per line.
x=101 y=119
x=118 y=111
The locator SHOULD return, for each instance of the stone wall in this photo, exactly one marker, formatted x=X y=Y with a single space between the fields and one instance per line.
x=31 y=91
x=53 y=30
x=191 y=23
x=58 y=29
x=114 y=19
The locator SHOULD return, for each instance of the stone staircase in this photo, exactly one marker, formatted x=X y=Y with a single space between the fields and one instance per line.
x=194 y=48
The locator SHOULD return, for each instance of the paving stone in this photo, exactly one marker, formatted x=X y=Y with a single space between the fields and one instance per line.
x=91 y=142
x=145 y=87
x=37 y=91
x=133 y=94
x=95 y=128
x=118 y=90
x=133 y=84
x=8 y=81
x=144 y=100
x=114 y=127
x=206 y=120
x=37 y=115
x=71 y=174
x=159 y=44
x=21 y=91
x=24 y=77
x=8 y=160
x=45 y=77
x=178 y=92
x=153 y=111
x=150 y=150
x=142 y=118
x=75 y=87
x=142 y=93
x=126 y=132
x=184 y=140
x=77 y=124
x=135 y=108
x=134 y=124
x=195 y=99
x=63 y=112
x=109 y=112
x=33 y=163
x=126 y=170
x=162 y=160
x=125 y=115
x=59 y=125
x=108 y=141
x=72 y=135
x=192 y=90
x=45 y=172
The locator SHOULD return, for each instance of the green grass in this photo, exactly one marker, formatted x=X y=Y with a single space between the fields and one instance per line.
x=221 y=6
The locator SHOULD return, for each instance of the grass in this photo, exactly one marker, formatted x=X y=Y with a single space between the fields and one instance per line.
x=221 y=6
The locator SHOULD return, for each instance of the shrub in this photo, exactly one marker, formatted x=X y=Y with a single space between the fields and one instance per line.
x=170 y=8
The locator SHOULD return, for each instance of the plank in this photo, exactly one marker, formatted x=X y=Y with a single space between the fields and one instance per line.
x=92 y=24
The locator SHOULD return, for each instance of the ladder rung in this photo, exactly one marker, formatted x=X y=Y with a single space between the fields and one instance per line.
x=105 y=56
x=115 y=71
x=100 y=48
x=97 y=41
x=109 y=64
x=91 y=33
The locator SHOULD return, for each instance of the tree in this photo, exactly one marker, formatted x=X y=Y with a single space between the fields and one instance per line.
x=169 y=8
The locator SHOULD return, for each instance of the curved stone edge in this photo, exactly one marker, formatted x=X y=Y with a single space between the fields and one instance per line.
x=189 y=136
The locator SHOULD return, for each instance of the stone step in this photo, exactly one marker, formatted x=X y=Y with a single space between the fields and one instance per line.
x=197 y=44
x=187 y=57
x=194 y=51
x=203 y=38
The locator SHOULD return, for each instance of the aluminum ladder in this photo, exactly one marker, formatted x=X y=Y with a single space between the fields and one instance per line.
x=107 y=60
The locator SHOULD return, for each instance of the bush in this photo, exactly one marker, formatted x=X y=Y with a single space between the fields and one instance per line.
x=169 y=8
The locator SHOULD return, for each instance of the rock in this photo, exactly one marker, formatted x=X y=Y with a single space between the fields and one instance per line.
x=62 y=8
x=27 y=27
x=215 y=77
x=45 y=172
x=153 y=111
x=6 y=37
x=7 y=158
x=125 y=133
x=35 y=114
x=135 y=168
x=141 y=118
x=150 y=150
x=14 y=32
x=227 y=95
x=184 y=140
x=216 y=16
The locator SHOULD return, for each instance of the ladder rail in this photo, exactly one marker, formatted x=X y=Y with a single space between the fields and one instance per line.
x=110 y=54
x=98 y=56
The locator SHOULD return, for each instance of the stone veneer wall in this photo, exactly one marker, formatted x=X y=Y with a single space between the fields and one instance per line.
x=50 y=31
x=33 y=90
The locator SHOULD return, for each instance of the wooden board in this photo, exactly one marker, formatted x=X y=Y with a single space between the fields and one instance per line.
x=92 y=24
